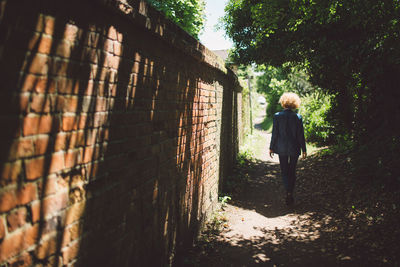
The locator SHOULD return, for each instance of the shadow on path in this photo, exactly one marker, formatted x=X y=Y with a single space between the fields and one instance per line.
x=336 y=221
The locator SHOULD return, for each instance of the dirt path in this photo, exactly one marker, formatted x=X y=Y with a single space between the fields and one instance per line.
x=334 y=222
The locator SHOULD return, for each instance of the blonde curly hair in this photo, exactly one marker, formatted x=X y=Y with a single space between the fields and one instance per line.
x=290 y=100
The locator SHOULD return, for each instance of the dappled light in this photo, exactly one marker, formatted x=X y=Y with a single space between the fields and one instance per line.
x=121 y=137
x=323 y=227
x=114 y=145
x=332 y=222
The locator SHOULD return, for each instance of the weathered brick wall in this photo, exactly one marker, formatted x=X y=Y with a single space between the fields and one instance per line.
x=117 y=127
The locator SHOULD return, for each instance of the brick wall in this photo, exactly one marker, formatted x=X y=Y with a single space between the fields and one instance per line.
x=117 y=128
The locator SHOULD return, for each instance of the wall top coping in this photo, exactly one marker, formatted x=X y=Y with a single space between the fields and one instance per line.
x=140 y=12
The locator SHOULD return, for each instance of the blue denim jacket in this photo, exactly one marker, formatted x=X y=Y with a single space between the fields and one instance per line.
x=287 y=133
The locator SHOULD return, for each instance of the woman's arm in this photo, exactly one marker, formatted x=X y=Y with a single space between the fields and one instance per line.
x=300 y=137
x=274 y=136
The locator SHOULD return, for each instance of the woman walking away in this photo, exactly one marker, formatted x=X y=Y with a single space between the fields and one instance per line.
x=287 y=140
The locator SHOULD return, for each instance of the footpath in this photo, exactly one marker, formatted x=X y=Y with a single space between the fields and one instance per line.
x=337 y=220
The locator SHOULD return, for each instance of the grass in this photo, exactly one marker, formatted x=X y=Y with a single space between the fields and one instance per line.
x=254 y=144
x=311 y=148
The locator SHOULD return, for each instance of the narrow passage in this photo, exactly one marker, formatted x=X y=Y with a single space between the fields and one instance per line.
x=336 y=221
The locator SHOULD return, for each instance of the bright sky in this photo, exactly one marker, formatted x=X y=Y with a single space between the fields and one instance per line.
x=212 y=39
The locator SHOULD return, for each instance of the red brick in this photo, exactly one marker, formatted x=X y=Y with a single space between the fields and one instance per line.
x=77 y=139
x=86 y=104
x=38 y=84
x=75 y=212
x=47 y=248
x=133 y=79
x=72 y=233
x=70 y=140
x=90 y=88
x=100 y=119
x=40 y=43
x=92 y=39
x=112 y=88
x=39 y=64
x=69 y=123
x=60 y=67
x=91 y=137
x=45 y=24
x=38 y=167
x=16 y=219
x=71 y=33
x=114 y=62
x=42 y=145
x=10 y=172
x=63 y=184
x=49 y=185
x=135 y=68
x=73 y=158
x=90 y=55
x=90 y=154
x=8 y=200
x=100 y=88
x=64 y=49
x=117 y=49
x=112 y=33
x=18 y=241
x=39 y=124
x=26 y=194
x=53 y=204
x=2 y=229
x=108 y=46
x=92 y=169
x=138 y=57
x=70 y=252
x=23 y=103
x=40 y=103
x=67 y=103
x=35 y=168
x=85 y=122
x=23 y=260
x=105 y=74
x=120 y=37
x=61 y=142
x=57 y=162
x=35 y=210
x=67 y=86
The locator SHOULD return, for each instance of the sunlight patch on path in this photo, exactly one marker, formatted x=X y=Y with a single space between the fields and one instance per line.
x=249 y=225
x=264 y=156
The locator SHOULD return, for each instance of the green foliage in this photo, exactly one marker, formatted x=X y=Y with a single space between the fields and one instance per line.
x=349 y=48
x=189 y=14
x=224 y=200
x=277 y=88
x=267 y=124
x=243 y=157
x=252 y=147
x=274 y=81
x=315 y=109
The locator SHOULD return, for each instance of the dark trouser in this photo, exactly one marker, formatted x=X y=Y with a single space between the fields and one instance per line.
x=288 y=170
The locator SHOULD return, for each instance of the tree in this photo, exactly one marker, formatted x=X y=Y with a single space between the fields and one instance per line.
x=188 y=14
x=349 y=48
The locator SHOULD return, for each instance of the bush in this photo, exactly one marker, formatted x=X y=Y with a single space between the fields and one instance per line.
x=314 y=110
x=276 y=89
